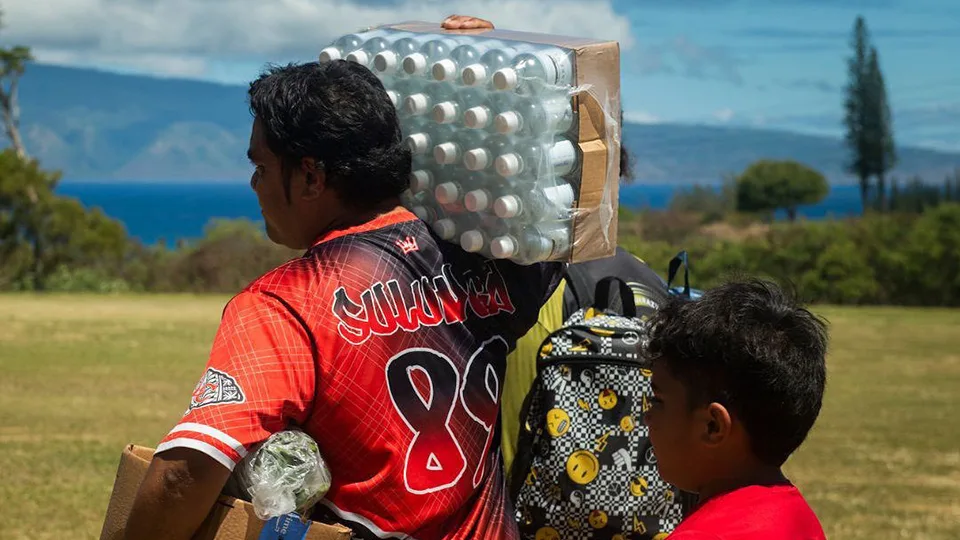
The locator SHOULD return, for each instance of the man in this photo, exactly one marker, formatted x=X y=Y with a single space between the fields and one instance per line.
x=385 y=344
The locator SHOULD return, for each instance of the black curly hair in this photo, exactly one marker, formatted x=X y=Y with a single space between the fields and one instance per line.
x=339 y=114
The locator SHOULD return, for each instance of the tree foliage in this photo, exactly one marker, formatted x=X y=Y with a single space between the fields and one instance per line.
x=13 y=64
x=767 y=186
x=867 y=117
x=41 y=231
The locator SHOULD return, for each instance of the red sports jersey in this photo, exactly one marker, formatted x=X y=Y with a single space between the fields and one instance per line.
x=753 y=513
x=388 y=347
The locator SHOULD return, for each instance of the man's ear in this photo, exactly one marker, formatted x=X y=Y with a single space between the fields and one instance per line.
x=314 y=178
x=716 y=422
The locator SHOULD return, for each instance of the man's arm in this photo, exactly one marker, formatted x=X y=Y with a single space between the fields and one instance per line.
x=260 y=378
x=180 y=488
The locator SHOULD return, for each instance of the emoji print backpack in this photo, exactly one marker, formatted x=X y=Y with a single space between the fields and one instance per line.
x=585 y=469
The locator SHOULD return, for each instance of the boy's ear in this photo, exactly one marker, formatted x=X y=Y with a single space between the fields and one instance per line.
x=315 y=178
x=717 y=424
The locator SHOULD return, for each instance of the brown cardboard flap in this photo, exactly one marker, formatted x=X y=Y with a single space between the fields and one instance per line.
x=595 y=223
x=230 y=519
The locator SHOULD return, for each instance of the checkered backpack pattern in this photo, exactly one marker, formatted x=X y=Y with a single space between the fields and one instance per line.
x=585 y=469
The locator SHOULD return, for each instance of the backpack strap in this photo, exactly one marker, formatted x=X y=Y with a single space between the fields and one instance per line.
x=578 y=280
x=680 y=260
x=601 y=298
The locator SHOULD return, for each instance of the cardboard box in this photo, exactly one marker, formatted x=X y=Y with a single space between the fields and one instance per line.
x=230 y=519
x=597 y=63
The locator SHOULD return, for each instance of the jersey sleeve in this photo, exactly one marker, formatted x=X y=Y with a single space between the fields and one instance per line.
x=260 y=378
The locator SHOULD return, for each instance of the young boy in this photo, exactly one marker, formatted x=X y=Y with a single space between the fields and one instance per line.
x=738 y=380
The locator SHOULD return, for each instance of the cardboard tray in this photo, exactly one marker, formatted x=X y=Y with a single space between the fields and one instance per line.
x=230 y=519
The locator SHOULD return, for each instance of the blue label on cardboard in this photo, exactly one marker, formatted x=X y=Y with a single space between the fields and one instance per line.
x=288 y=527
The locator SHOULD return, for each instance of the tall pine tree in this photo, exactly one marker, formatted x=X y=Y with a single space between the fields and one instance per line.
x=882 y=152
x=858 y=108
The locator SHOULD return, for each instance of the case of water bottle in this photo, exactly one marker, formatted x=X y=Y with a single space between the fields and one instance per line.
x=515 y=136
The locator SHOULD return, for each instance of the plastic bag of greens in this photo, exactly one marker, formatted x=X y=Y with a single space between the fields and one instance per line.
x=285 y=474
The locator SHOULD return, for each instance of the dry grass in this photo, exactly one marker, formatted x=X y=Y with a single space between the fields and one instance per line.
x=85 y=375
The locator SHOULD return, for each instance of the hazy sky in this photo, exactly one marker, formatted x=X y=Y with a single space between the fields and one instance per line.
x=775 y=63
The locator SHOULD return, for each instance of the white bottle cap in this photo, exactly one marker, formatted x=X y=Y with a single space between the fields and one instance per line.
x=360 y=57
x=471 y=241
x=418 y=143
x=476 y=200
x=477 y=159
x=474 y=74
x=508 y=164
x=446 y=153
x=421 y=212
x=445 y=70
x=445 y=112
x=447 y=193
x=394 y=97
x=507 y=206
x=415 y=64
x=420 y=180
x=505 y=79
x=445 y=228
x=476 y=117
x=508 y=122
x=329 y=54
x=561 y=195
x=503 y=247
x=385 y=62
x=417 y=103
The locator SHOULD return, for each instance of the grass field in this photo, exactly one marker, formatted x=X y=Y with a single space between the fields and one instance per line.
x=81 y=376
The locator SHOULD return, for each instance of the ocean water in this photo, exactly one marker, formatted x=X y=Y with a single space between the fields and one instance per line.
x=153 y=212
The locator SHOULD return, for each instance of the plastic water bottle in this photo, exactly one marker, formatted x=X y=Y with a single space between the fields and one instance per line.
x=534 y=117
x=431 y=51
x=452 y=151
x=365 y=54
x=533 y=244
x=478 y=239
x=483 y=116
x=429 y=135
x=428 y=212
x=481 y=72
x=346 y=44
x=531 y=71
x=453 y=225
x=424 y=173
x=452 y=111
x=482 y=198
x=539 y=160
x=399 y=88
x=449 y=69
x=423 y=101
x=388 y=62
x=452 y=191
x=536 y=205
x=484 y=157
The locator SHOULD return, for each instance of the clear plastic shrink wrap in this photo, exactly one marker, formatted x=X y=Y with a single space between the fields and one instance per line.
x=515 y=137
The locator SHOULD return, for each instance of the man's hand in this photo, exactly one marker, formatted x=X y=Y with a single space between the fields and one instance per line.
x=465 y=22
x=180 y=488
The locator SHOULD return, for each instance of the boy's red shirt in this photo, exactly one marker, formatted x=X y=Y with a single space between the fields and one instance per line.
x=753 y=513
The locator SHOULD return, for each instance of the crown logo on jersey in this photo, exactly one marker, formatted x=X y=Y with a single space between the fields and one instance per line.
x=407 y=244
x=216 y=388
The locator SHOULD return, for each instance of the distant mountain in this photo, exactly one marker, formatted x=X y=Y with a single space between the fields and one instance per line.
x=95 y=125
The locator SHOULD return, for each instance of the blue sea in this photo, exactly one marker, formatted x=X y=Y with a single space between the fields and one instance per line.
x=152 y=212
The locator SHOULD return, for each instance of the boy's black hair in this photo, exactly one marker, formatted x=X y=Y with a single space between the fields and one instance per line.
x=750 y=347
x=339 y=114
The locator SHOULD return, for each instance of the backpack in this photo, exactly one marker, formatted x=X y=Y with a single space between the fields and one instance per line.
x=585 y=468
